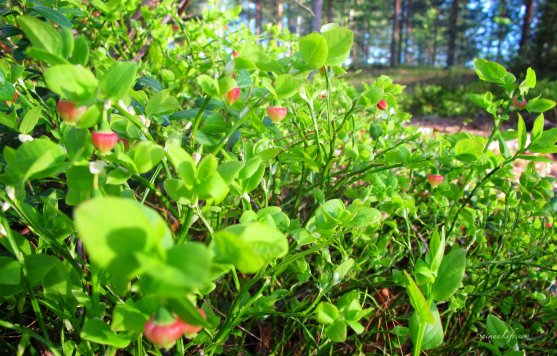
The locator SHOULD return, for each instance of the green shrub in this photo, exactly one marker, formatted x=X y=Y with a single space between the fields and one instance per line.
x=295 y=217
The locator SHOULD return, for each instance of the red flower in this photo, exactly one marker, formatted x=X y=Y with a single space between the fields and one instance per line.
x=276 y=113
x=382 y=105
x=105 y=141
x=232 y=95
x=435 y=179
x=69 y=112
x=163 y=332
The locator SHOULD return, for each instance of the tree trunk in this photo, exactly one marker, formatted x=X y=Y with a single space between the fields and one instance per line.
x=434 y=43
x=317 y=8
x=400 y=31
x=526 y=24
x=395 y=36
x=279 y=14
x=329 y=11
x=408 y=56
x=291 y=18
x=258 y=16
x=453 y=19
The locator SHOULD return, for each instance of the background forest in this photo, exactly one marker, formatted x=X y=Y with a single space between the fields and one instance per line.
x=439 y=33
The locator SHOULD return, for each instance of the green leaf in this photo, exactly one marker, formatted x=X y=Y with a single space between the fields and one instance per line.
x=490 y=71
x=530 y=80
x=118 y=80
x=30 y=120
x=97 y=331
x=469 y=149
x=433 y=335
x=53 y=15
x=374 y=95
x=436 y=250
x=45 y=56
x=339 y=42
x=230 y=170
x=73 y=82
x=537 y=128
x=336 y=331
x=67 y=42
x=225 y=84
x=36 y=159
x=314 y=50
x=127 y=317
x=183 y=163
x=211 y=184
x=450 y=274
x=10 y=271
x=81 y=51
x=41 y=34
x=185 y=270
x=540 y=105
x=162 y=103
x=423 y=273
x=521 y=133
x=209 y=85
x=114 y=229
x=8 y=121
x=249 y=246
x=417 y=300
x=501 y=334
x=146 y=155
x=546 y=142
x=286 y=86
x=326 y=313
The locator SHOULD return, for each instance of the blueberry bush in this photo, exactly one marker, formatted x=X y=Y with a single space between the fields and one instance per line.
x=176 y=185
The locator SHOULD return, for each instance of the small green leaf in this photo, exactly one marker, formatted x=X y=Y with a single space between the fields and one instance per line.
x=225 y=84
x=162 y=103
x=286 y=85
x=41 y=34
x=30 y=120
x=97 y=331
x=417 y=300
x=118 y=80
x=127 y=317
x=53 y=15
x=72 y=82
x=35 y=159
x=339 y=42
x=249 y=246
x=530 y=80
x=209 y=85
x=10 y=271
x=114 y=229
x=146 y=155
x=490 y=71
x=540 y=105
x=326 y=313
x=537 y=128
x=313 y=49
x=501 y=334
x=336 y=331
x=433 y=335
x=81 y=51
x=450 y=274
x=521 y=133
x=469 y=149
